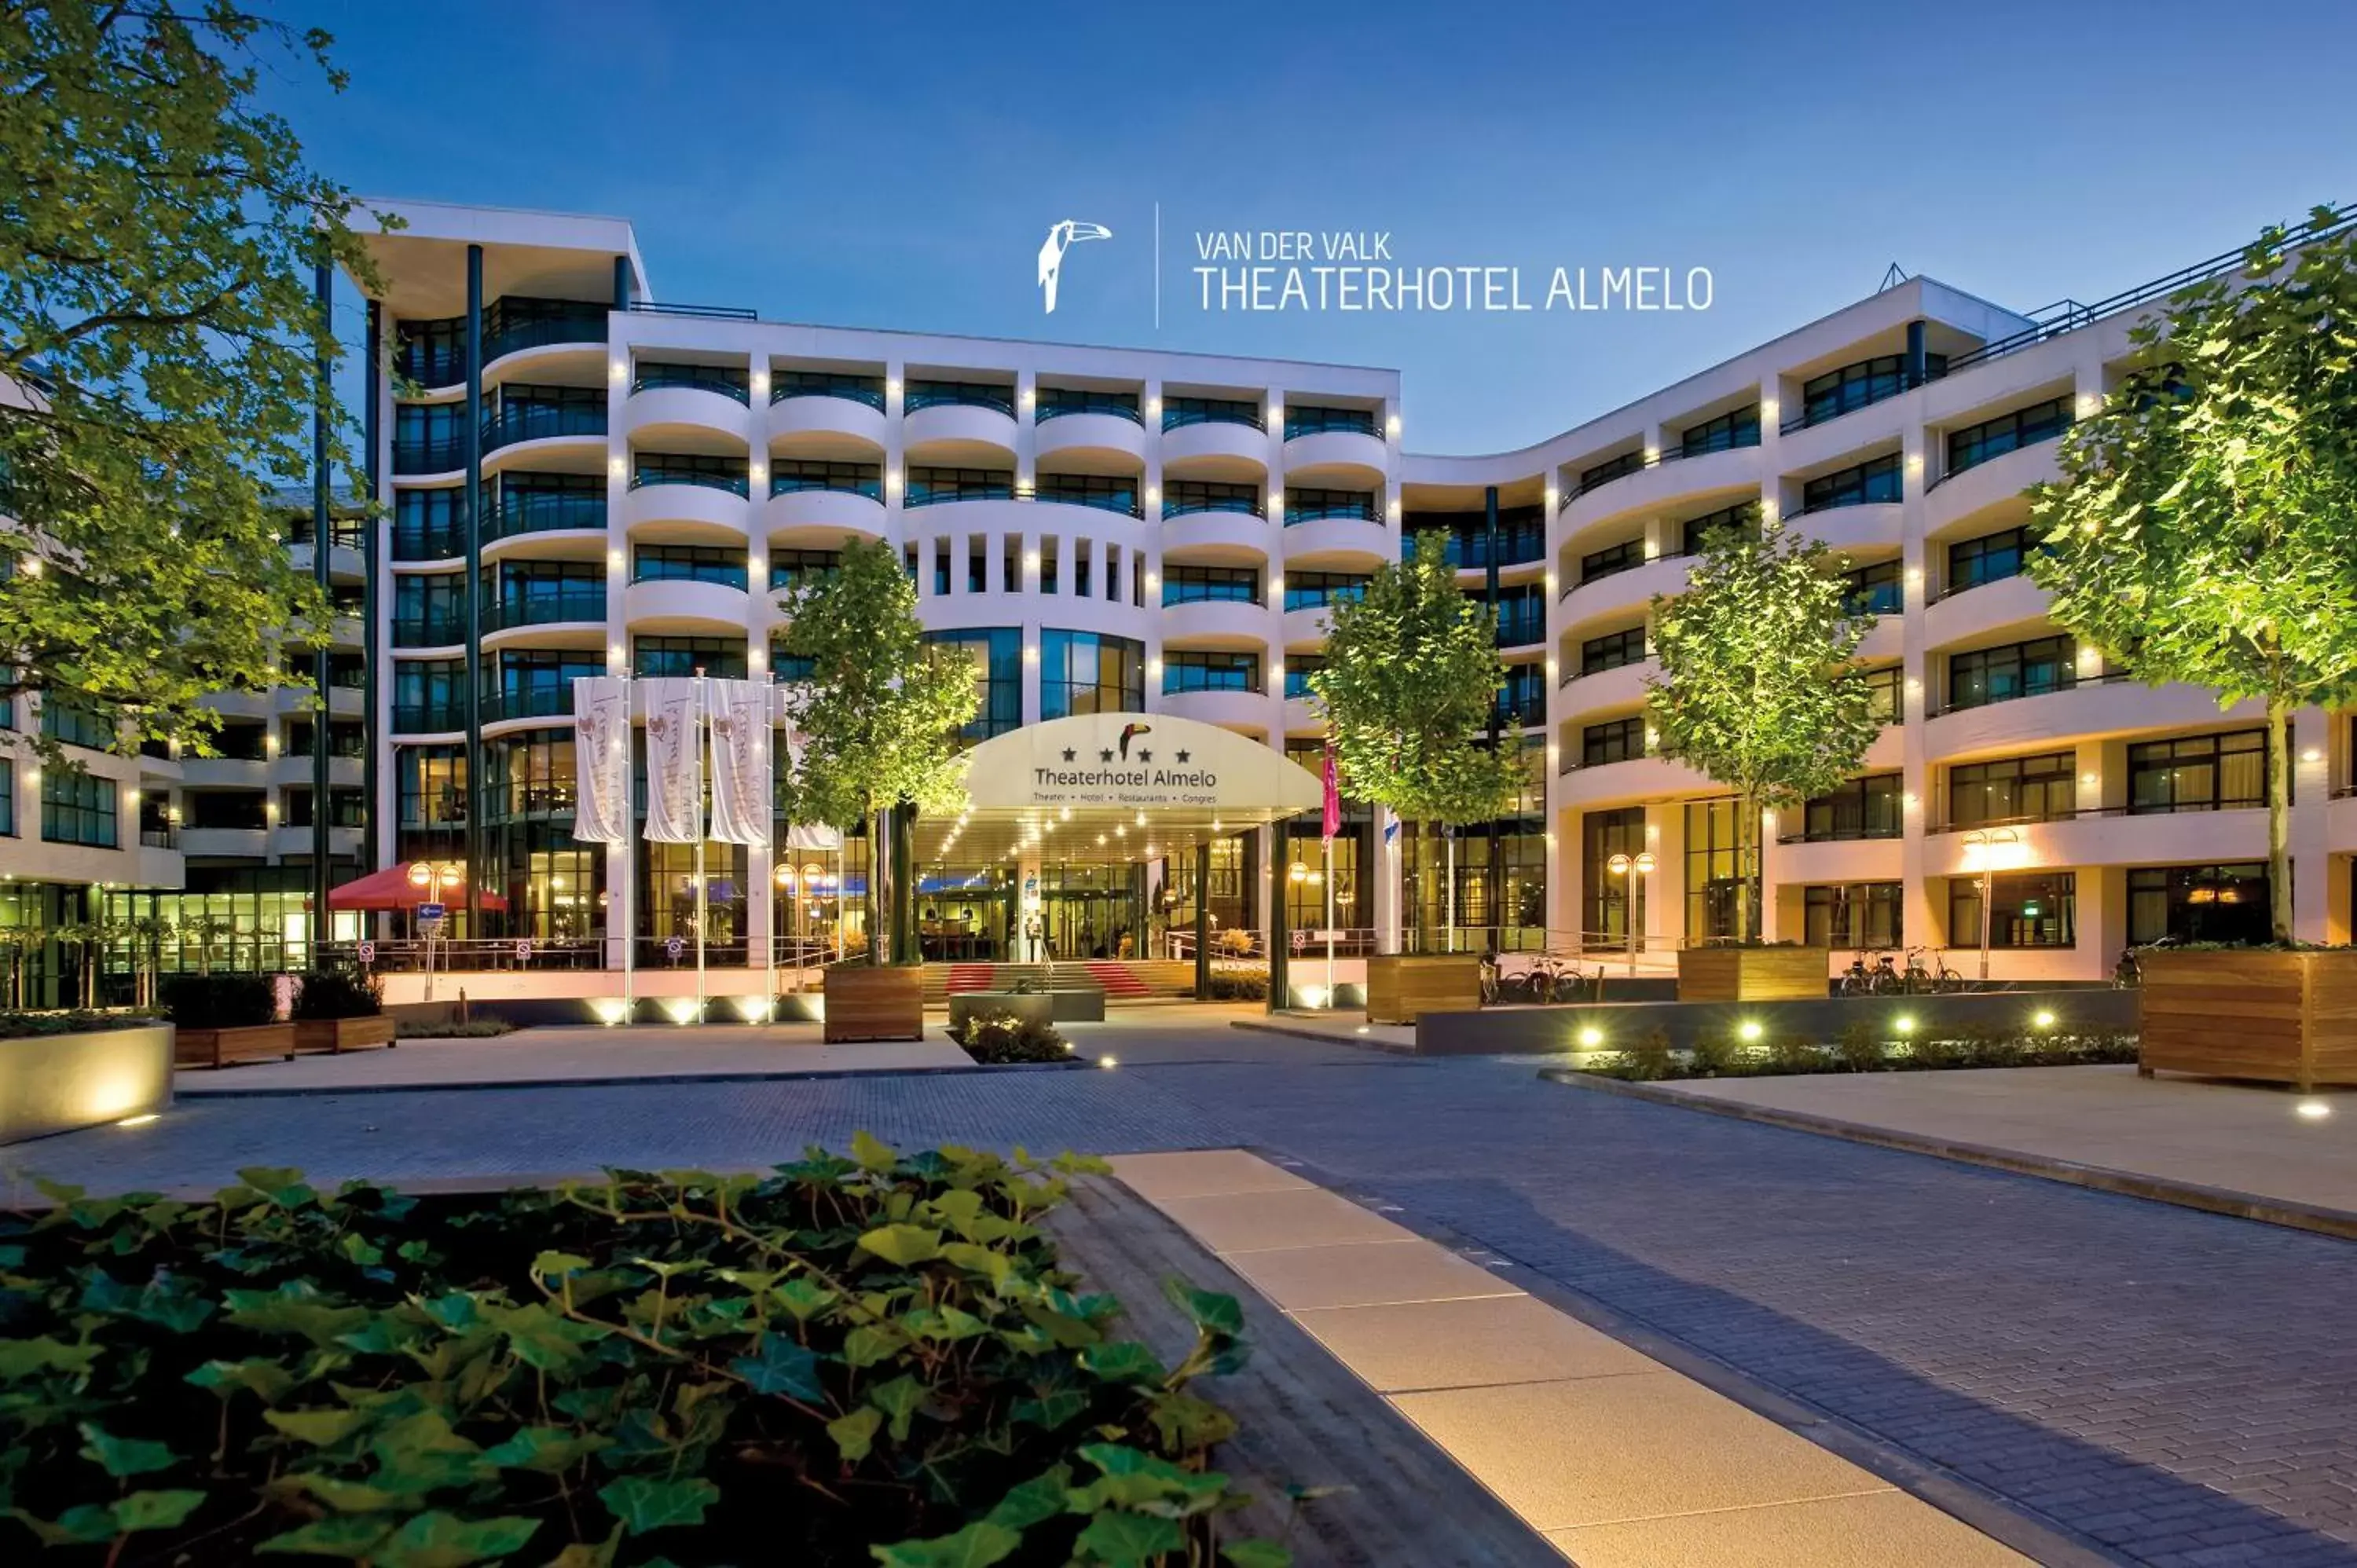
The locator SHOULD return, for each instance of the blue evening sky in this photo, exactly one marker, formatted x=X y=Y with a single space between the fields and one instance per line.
x=896 y=165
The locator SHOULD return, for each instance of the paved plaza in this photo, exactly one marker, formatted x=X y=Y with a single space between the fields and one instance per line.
x=2165 y=1386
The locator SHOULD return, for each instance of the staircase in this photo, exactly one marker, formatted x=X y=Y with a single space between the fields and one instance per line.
x=1121 y=980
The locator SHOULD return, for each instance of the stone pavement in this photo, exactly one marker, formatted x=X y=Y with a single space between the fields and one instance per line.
x=2175 y=1387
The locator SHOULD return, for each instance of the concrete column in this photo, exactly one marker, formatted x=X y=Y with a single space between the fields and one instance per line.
x=1027 y=430
x=1773 y=919
x=896 y=473
x=2315 y=909
x=1665 y=891
x=1921 y=917
x=1384 y=874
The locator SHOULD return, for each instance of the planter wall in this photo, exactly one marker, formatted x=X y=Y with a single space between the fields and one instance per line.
x=880 y=1003
x=220 y=1048
x=342 y=1034
x=1037 y=1007
x=2281 y=1018
x=54 y=1083
x=1401 y=987
x=1753 y=974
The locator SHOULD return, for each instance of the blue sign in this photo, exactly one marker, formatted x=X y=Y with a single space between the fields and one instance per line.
x=430 y=911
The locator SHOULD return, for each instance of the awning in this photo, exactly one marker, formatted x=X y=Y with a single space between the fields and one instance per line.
x=392 y=889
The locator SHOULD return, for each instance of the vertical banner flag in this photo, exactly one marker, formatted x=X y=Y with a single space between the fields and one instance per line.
x=741 y=741
x=1333 y=822
x=601 y=760
x=674 y=760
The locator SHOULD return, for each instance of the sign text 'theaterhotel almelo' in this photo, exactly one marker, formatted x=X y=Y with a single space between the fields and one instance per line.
x=1281 y=270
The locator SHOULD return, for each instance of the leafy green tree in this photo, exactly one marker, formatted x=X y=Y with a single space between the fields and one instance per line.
x=160 y=357
x=2205 y=526
x=880 y=711
x=1411 y=674
x=1752 y=693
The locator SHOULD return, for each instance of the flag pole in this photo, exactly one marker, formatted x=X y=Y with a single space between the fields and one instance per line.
x=628 y=902
x=695 y=721
x=1329 y=923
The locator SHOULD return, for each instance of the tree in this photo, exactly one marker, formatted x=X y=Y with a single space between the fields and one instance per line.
x=161 y=354
x=880 y=711
x=2205 y=526
x=1410 y=676
x=1753 y=693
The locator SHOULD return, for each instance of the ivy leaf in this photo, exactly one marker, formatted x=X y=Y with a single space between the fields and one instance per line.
x=1126 y=1540
x=454 y=1310
x=545 y=1339
x=122 y=1456
x=870 y=1343
x=782 y=1367
x=317 y=1427
x=872 y=1153
x=1050 y=1410
x=257 y=1374
x=25 y=1357
x=643 y=1504
x=1123 y=1362
x=1257 y=1554
x=559 y=1263
x=440 y=1540
x=354 y=1536
x=549 y=1450
x=155 y=1511
x=1036 y=1501
x=902 y=1245
x=342 y=1495
x=995 y=1265
x=800 y=1297
x=898 y=1399
x=1210 y=1310
x=978 y=1545
x=854 y=1434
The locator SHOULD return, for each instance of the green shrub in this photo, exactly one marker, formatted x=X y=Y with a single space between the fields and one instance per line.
x=996 y=1038
x=1715 y=1056
x=1239 y=982
x=1794 y=1053
x=795 y=1368
x=1648 y=1057
x=71 y=1021
x=223 y=1001
x=339 y=993
x=1859 y=1047
x=451 y=1028
x=1934 y=1051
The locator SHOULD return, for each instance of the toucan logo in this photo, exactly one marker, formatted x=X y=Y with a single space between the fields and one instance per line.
x=1129 y=733
x=1062 y=237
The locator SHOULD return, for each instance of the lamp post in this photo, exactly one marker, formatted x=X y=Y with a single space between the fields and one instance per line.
x=430 y=878
x=1630 y=867
x=1981 y=844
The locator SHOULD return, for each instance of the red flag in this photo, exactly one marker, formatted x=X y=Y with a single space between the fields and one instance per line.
x=1333 y=822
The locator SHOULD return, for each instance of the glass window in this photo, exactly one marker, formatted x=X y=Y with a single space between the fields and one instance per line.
x=997 y=655
x=1299 y=668
x=429 y=609
x=788 y=475
x=2028 y=910
x=1308 y=505
x=1625 y=556
x=1051 y=565
x=1105 y=492
x=428 y=438
x=794 y=569
x=1606 y=471
x=2199 y=773
x=2040 y=789
x=1613 y=650
x=932 y=486
x=1210 y=672
x=1181 y=497
x=1192 y=584
x=1522 y=615
x=725 y=380
x=964 y=394
x=1610 y=921
x=532 y=503
x=65 y=720
x=1864 y=808
x=1722 y=847
x=1859 y=915
x=1307 y=419
x=1616 y=740
x=1520 y=536
x=78 y=808
x=1739 y=428
x=689 y=468
x=1884 y=699
x=1178 y=412
x=1744 y=518
x=2012 y=670
x=516 y=412
x=537 y=684
x=1520 y=701
x=1056 y=402
x=7 y=797
x=1089 y=672
x=1852 y=387
x=1976 y=444
x=689 y=563
x=1868 y=483
x=429 y=694
x=1084 y=565
x=428 y=525
x=2199 y=903
x=720 y=658
x=430 y=786
x=1873 y=590
x=1988 y=559
x=543 y=593
x=528 y=776
x=845 y=384
x=431 y=353
x=1312 y=590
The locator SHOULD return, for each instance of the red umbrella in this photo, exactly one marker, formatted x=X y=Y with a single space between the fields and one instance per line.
x=392 y=889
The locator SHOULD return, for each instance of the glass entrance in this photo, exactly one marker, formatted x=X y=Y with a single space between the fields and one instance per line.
x=1088 y=912
x=965 y=915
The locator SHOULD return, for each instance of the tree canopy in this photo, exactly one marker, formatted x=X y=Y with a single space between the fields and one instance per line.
x=1754 y=656
x=1410 y=678
x=2205 y=529
x=160 y=358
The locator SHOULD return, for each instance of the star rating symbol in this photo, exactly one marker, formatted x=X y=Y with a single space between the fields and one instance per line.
x=1144 y=755
x=1182 y=756
x=1068 y=754
x=1105 y=755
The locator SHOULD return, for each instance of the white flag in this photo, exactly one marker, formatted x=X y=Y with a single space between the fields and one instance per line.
x=814 y=838
x=741 y=741
x=674 y=760
x=601 y=760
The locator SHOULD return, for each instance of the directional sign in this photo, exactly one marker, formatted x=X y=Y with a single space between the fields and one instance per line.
x=431 y=911
x=368 y=952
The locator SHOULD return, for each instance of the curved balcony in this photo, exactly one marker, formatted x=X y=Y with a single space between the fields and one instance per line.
x=683 y=605
x=1620 y=592
x=1875 y=427
x=527 y=430
x=227 y=772
x=1680 y=479
x=1638 y=778
x=1250 y=710
x=816 y=425
x=1620 y=687
x=1362 y=538
x=2086 y=710
x=542 y=338
x=572 y=618
x=1306 y=628
x=821 y=518
x=1886 y=638
x=1876 y=525
x=1088 y=443
x=1344 y=457
x=958 y=436
x=1233 y=538
x=670 y=412
x=1836 y=859
x=1215 y=449
x=429 y=720
x=1216 y=623
x=2007 y=604
x=2000 y=479
x=705 y=507
x=242 y=844
x=2110 y=838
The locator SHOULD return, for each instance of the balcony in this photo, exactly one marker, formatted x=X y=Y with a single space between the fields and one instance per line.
x=516 y=424
x=514 y=327
x=822 y=417
x=538 y=701
x=1343 y=442
x=1232 y=623
x=1215 y=443
x=823 y=514
x=443 y=455
x=447 y=630
x=568 y=606
x=429 y=718
x=719 y=383
x=1090 y=435
x=529 y=511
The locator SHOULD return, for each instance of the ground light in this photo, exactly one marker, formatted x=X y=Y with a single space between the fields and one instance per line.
x=1904 y=1022
x=139 y=1120
x=1107 y=1061
x=1591 y=1037
x=2308 y=1111
x=1749 y=1030
x=2042 y=1020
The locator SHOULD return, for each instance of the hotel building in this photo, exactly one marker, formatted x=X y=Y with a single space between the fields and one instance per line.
x=629 y=483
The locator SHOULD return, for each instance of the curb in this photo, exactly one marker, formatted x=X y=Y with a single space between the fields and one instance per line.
x=186 y=1097
x=2312 y=1218
x=1352 y=1042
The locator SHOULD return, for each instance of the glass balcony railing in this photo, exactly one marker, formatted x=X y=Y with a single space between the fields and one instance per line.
x=581 y=604
x=1056 y=403
x=788 y=384
x=539 y=422
x=444 y=630
x=718 y=380
x=428 y=718
x=959 y=394
x=536 y=701
x=1179 y=505
x=1181 y=412
x=442 y=455
x=645 y=478
x=1350 y=507
x=868 y=485
x=507 y=330
x=1299 y=422
x=931 y=492
x=540 y=511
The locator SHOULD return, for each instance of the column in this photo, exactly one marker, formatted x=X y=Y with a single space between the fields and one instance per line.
x=1922 y=921
x=375 y=755
x=320 y=925
x=469 y=507
x=2315 y=909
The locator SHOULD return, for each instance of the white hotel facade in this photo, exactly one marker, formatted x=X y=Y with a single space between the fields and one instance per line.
x=1125 y=529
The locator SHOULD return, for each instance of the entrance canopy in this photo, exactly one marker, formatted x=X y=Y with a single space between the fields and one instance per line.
x=1115 y=787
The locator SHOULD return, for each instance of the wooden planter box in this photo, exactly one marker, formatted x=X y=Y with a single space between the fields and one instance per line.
x=882 y=1003
x=220 y=1048
x=2282 y=1017
x=1754 y=974
x=332 y=1035
x=1401 y=987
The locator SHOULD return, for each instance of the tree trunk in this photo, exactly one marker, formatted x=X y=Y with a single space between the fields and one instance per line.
x=1748 y=830
x=2279 y=818
x=879 y=855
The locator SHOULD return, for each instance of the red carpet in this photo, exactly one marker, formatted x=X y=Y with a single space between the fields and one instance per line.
x=973 y=977
x=1117 y=980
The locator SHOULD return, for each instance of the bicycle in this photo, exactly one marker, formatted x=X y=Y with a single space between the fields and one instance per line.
x=1945 y=979
x=1915 y=980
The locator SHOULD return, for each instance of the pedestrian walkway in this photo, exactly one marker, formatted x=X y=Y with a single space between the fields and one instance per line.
x=1616 y=1460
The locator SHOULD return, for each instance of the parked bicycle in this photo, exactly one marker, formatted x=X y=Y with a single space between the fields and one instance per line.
x=1861 y=979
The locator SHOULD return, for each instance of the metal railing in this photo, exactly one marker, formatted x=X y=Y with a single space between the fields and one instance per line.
x=794 y=484
x=720 y=386
x=850 y=388
x=1329 y=421
x=543 y=609
x=531 y=511
x=1119 y=408
x=647 y=479
x=921 y=395
x=1179 y=418
x=708 y=312
x=541 y=423
x=1235 y=504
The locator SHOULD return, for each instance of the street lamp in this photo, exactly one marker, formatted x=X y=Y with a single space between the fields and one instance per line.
x=1622 y=865
x=1981 y=845
x=430 y=878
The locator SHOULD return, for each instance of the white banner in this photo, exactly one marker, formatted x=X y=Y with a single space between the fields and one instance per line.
x=814 y=838
x=674 y=760
x=742 y=788
x=601 y=760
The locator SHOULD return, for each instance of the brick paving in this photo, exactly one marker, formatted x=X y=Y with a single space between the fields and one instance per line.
x=2178 y=1387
